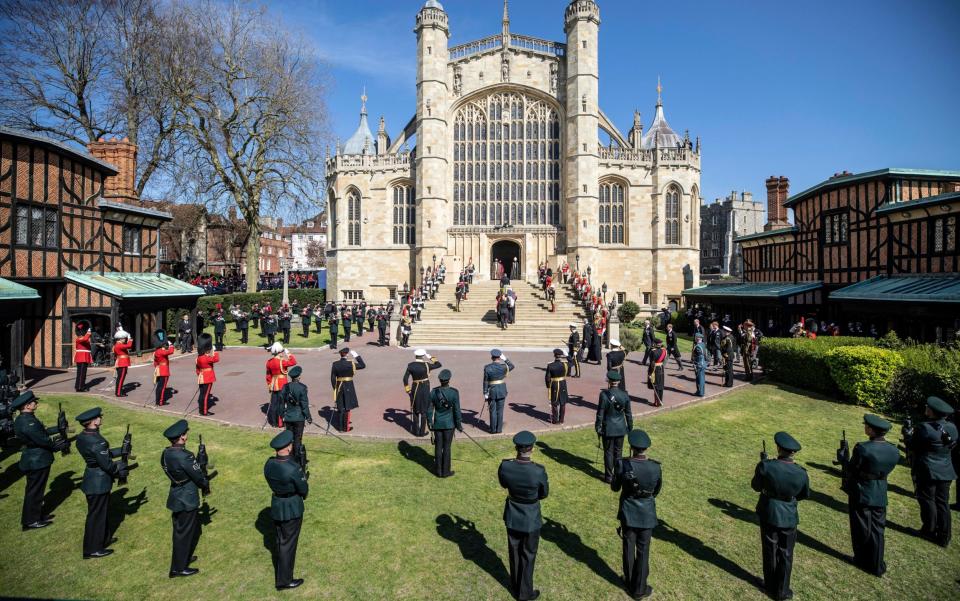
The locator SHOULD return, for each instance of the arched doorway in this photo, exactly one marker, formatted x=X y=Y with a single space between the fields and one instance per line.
x=506 y=253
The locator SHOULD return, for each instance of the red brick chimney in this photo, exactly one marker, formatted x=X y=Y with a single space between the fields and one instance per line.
x=778 y=189
x=122 y=154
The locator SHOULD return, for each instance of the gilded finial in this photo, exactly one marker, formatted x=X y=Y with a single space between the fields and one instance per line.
x=659 y=91
x=363 y=100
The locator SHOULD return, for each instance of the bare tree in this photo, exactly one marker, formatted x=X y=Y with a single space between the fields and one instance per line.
x=316 y=255
x=254 y=116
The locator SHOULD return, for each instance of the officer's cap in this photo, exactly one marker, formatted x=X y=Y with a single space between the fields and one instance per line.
x=420 y=353
x=639 y=439
x=496 y=353
x=699 y=336
x=344 y=350
x=176 y=430
x=614 y=342
x=657 y=341
x=877 y=423
x=89 y=415
x=613 y=375
x=727 y=329
x=559 y=352
x=786 y=442
x=445 y=375
x=282 y=440
x=939 y=406
x=524 y=439
x=295 y=371
x=23 y=399
x=574 y=325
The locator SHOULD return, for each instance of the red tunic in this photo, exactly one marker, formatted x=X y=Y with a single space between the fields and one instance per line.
x=161 y=361
x=277 y=372
x=81 y=347
x=205 y=373
x=121 y=349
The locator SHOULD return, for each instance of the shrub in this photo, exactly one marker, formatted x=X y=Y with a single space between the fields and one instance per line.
x=628 y=311
x=631 y=339
x=891 y=341
x=864 y=373
x=801 y=362
x=927 y=370
x=680 y=322
x=246 y=300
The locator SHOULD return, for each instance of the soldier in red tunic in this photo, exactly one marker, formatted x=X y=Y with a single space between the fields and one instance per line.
x=81 y=355
x=277 y=367
x=161 y=365
x=121 y=349
x=206 y=357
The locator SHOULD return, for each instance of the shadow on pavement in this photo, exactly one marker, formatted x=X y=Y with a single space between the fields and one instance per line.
x=531 y=410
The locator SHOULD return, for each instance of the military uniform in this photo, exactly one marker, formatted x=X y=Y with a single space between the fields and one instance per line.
x=35 y=461
x=444 y=416
x=283 y=322
x=672 y=349
x=243 y=324
x=296 y=408
x=726 y=351
x=495 y=388
x=219 y=329
x=614 y=421
x=932 y=469
x=97 y=481
x=656 y=375
x=382 y=324
x=333 y=327
x=781 y=484
x=647 y=340
x=866 y=487
x=186 y=482
x=573 y=352
x=270 y=328
x=555 y=379
x=526 y=483
x=347 y=319
x=305 y=321
x=416 y=381
x=615 y=360
x=341 y=380
x=358 y=316
x=639 y=480
x=700 y=366
x=185 y=335
x=290 y=488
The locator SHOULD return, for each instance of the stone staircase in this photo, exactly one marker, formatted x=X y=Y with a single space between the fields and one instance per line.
x=476 y=323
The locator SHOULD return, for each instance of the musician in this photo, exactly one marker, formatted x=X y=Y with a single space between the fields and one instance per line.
x=121 y=349
x=206 y=357
x=161 y=365
x=305 y=316
x=277 y=369
x=81 y=354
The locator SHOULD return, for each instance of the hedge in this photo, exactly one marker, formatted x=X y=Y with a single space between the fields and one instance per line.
x=246 y=300
x=801 y=362
x=927 y=370
x=864 y=373
x=631 y=338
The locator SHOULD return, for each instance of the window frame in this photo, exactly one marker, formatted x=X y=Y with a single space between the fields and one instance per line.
x=946 y=249
x=29 y=229
x=611 y=213
x=840 y=220
x=671 y=224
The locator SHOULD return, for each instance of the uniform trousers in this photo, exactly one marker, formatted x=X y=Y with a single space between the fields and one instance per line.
x=747 y=367
x=419 y=424
x=288 y=534
x=777 y=548
x=496 y=415
x=121 y=376
x=383 y=335
x=701 y=373
x=297 y=429
x=275 y=409
x=286 y=335
x=934 y=499
x=81 y=381
x=243 y=335
x=612 y=452
x=728 y=372
x=558 y=411
x=573 y=363
x=204 y=399
x=346 y=333
x=442 y=442
x=636 y=558
x=33 y=496
x=95 y=529
x=271 y=338
x=218 y=340
x=318 y=325
x=186 y=535
x=160 y=390
x=306 y=329
x=523 y=555
x=867 y=526
x=333 y=339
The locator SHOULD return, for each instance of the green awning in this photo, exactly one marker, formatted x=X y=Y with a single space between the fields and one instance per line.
x=758 y=290
x=12 y=291
x=134 y=285
x=929 y=288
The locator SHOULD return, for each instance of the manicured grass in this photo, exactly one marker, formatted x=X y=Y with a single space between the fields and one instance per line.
x=256 y=337
x=380 y=526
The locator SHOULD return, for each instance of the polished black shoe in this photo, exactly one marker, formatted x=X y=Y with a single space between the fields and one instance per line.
x=449 y=474
x=646 y=593
x=292 y=584
x=99 y=554
x=184 y=573
x=48 y=518
x=36 y=525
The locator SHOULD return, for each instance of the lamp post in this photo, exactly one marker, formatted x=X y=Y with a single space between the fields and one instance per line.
x=406 y=291
x=589 y=271
x=434 y=263
x=578 y=262
x=421 y=275
x=604 y=290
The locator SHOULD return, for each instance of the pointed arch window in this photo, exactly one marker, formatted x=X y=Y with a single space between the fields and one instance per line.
x=612 y=213
x=672 y=221
x=404 y=215
x=353 y=218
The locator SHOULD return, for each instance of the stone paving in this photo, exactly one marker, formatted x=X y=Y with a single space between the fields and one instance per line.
x=241 y=391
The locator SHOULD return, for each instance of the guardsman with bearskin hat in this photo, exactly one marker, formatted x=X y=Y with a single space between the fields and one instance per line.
x=161 y=365
x=206 y=376
x=81 y=354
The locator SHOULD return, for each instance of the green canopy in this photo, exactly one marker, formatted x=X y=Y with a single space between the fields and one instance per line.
x=124 y=285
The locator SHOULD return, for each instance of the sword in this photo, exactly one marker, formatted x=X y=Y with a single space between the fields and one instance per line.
x=327 y=431
x=191 y=402
x=473 y=440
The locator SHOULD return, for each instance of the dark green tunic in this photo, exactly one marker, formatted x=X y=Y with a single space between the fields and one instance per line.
x=638 y=506
x=781 y=484
x=100 y=471
x=614 y=417
x=931 y=458
x=441 y=418
x=296 y=402
x=38 y=447
x=289 y=487
x=186 y=478
x=526 y=483
x=867 y=472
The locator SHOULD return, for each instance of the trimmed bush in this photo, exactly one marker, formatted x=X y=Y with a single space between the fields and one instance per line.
x=631 y=339
x=628 y=311
x=864 y=373
x=927 y=370
x=801 y=362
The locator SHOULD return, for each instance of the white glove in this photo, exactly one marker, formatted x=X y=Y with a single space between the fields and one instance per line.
x=354 y=354
x=429 y=358
x=503 y=358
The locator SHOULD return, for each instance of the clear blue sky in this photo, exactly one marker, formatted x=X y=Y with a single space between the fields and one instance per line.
x=801 y=88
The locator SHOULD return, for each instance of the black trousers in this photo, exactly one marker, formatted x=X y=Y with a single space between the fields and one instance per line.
x=33 y=496
x=81 y=382
x=383 y=336
x=419 y=424
x=346 y=333
x=297 y=429
x=359 y=328
x=288 y=534
x=218 y=340
x=934 y=499
x=95 y=529
x=333 y=340
x=867 y=526
x=612 y=452
x=636 y=558
x=728 y=372
x=121 y=376
x=306 y=329
x=271 y=338
x=243 y=335
x=318 y=327
x=286 y=336
x=442 y=442
x=160 y=390
x=777 y=545
x=523 y=555
x=186 y=535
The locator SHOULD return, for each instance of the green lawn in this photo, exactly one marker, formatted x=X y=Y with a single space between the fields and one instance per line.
x=297 y=340
x=379 y=526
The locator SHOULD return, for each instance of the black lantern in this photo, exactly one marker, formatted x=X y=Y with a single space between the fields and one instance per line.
x=434 y=262
x=406 y=288
x=589 y=271
x=604 y=290
x=578 y=262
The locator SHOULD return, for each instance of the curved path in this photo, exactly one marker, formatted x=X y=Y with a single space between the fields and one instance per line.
x=384 y=408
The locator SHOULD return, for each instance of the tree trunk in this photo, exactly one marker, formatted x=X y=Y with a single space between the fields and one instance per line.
x=253 y=259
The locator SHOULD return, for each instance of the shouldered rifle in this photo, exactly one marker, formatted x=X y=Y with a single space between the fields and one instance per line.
x=203 y=460
x=843 y=460
x=126 y=454
x=63 y=428
x=763 y=453
x=302 y=460
x=906 y=436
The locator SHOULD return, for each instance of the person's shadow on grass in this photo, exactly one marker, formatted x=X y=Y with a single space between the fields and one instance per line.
x=416 y=454
x=570 y=543
x=122 y=506
x=697 y=549
x=473 y=546
x=265 y=526
x=568 y=459
x=60 y=490
x=10 y=476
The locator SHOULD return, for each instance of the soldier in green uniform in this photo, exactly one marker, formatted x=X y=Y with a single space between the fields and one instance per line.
x=865 y=482
x=443 y=415
x=35 y=459
x=186 y=480
x=931 y=443
x=97 y=481
x=296 y=408
x=726 y=351
x=290 y=488
x=781 y=484
x=555 y=379
x=334 y=327
x=614 y=421
x=526 y=484
x=270 y=329
x=573 y=351
x=243 y=324
x=638 y=478
x=305 y=320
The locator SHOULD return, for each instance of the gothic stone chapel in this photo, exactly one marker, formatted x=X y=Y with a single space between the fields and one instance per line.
x=504 y=159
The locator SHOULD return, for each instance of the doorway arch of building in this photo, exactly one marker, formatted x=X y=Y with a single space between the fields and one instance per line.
x=506 y=256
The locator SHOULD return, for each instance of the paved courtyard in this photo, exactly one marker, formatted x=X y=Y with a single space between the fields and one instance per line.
x=241 y=393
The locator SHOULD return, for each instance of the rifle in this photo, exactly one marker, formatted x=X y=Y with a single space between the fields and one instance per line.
x=763 y=453
x=203 y=460
x=63 y=428
x=126 y=454
x=843 y=460
x=302 y=460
